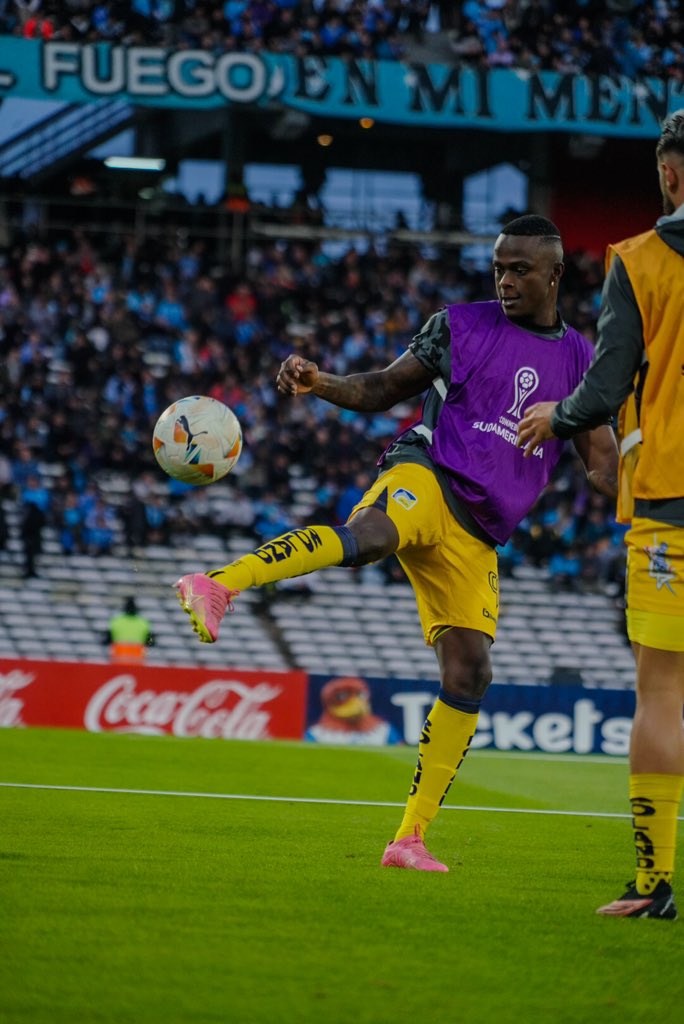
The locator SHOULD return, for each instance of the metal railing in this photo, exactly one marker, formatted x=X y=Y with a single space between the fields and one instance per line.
x=164 y=217
x=73 y=128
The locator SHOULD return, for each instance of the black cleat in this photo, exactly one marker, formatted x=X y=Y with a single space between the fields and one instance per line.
x=660 y=903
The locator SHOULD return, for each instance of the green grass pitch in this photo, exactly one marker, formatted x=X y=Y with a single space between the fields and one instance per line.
x=143 y=909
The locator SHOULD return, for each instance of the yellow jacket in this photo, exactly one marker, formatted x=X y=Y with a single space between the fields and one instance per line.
x=651 y=421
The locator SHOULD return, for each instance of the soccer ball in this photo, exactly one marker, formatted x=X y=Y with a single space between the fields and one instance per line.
x=197 y=440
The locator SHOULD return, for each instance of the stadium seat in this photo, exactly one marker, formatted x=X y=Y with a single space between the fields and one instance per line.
x=346 y=622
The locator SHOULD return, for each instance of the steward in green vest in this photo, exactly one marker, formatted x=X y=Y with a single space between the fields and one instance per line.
x=129 y=634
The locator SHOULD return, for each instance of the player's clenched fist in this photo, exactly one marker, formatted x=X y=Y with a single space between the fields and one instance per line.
x=296 y=376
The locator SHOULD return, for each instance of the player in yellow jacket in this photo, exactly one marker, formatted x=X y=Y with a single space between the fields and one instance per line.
x=638 y=368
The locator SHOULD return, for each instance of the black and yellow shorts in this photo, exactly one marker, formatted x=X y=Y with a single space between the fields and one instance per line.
x=655 y=584
x=453 y=574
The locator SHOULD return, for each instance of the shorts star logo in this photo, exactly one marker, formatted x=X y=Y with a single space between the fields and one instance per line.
x=659 y=569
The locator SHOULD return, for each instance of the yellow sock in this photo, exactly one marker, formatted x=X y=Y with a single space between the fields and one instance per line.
x=655 y=802
x=444 y=743
x=292 y=554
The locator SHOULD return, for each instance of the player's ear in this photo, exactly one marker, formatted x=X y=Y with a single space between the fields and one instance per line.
x=670 y=175
x=557 y=271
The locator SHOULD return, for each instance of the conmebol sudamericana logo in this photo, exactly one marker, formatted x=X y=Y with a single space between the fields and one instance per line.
x=526 y=382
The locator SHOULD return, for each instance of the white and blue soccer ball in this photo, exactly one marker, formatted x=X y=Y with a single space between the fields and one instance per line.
x=197 y=440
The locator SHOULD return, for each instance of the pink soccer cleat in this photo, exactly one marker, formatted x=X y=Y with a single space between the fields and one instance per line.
x=206 y=602
x=410 y=852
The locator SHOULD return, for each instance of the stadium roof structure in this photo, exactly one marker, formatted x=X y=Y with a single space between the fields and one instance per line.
x=442 y=122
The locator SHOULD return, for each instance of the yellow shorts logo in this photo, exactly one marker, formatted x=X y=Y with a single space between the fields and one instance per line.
x=659 y=568
x=404 y=498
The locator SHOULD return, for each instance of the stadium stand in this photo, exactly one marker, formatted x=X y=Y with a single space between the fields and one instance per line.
x=339 y=621
x=592 y=36
x=100 y=331
x=99 y=337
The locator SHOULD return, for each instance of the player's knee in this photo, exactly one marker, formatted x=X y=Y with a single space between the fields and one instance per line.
x=467 y=679
x=375 y=534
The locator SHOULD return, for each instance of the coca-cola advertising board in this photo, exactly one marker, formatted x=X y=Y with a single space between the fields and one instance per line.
x=212 y=703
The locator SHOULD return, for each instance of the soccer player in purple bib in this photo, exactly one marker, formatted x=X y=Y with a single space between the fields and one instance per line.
x=450 y=489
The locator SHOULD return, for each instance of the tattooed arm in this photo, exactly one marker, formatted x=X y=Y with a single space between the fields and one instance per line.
x=363 y=392
x=428 y=356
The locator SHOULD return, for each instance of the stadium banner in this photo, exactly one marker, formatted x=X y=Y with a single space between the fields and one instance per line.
x=551 y=719
x=398 y=92
x=156 y=701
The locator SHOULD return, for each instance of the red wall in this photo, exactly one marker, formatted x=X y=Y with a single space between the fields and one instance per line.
x=608 y=197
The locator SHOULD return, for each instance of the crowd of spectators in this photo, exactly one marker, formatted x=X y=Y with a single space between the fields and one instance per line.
x=630 y=37
x=606 y=37
x=361 y=28
x=97 y=338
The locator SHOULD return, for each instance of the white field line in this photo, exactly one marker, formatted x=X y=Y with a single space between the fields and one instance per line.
x=535 y=755
x=504 y=755
x=306 y=800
